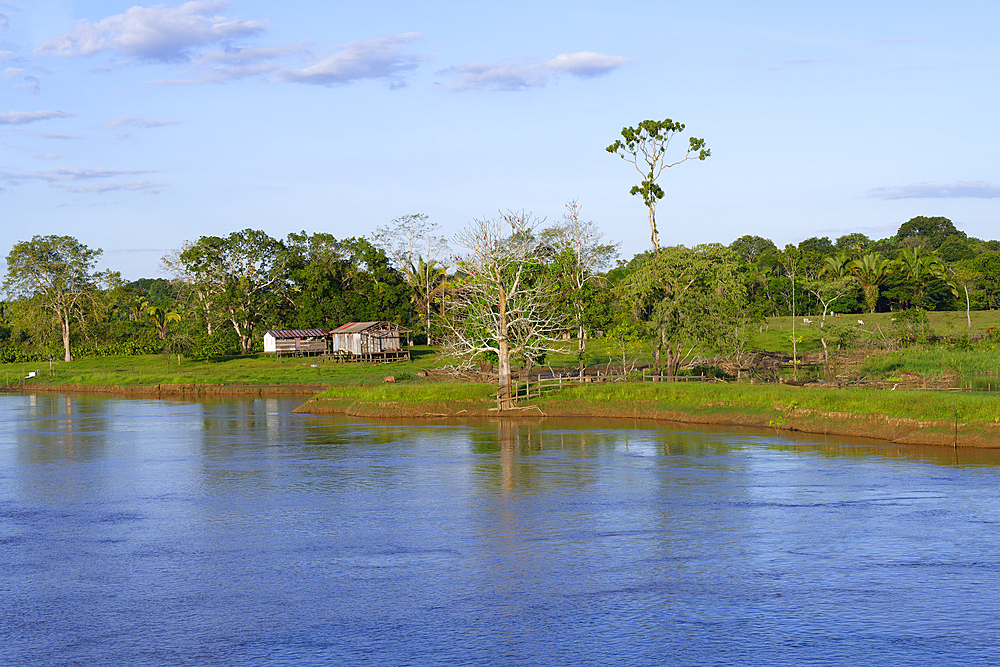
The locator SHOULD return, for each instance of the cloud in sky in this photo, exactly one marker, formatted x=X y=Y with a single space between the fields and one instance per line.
x=136 y=121
x=222 y=74
x=99 y=188
x=587 y=63
x=972 y=189
x=56 y=135
x=378 y=58
x=247 y=55
x=47 y=156
x=158 y=33
x=513 y=76
x=23 y=117
x=71 y=174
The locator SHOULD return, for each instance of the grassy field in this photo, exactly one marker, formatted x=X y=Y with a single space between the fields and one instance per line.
x=775 y=334
x=258 y=369
x=942 y=360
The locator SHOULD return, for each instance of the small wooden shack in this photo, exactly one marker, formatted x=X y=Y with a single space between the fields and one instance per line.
x=295 y=342
x=369 y=341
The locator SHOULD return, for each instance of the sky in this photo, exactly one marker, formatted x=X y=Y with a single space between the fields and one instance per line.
x=137 y=128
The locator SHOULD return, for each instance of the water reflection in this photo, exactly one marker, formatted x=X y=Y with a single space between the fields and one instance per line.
x=235 y=532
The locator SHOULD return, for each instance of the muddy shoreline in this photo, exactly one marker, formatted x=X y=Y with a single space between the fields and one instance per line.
x=801 y=420
x=897 y=430
x=175 y=390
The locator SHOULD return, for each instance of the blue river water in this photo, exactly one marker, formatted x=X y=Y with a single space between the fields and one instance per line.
x=233 y=532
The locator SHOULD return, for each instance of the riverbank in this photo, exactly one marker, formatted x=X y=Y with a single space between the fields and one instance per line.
x=174 y=390
x=904 y=417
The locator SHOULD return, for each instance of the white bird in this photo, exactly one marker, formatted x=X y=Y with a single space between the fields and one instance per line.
x=861 y=322
x=807 y=320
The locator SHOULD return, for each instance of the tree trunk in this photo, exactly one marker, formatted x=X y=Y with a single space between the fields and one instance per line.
x=657 y=364
x=968 y=316
x=795 y=348
x=654 y=237
x=505 y=399
x=64 y=321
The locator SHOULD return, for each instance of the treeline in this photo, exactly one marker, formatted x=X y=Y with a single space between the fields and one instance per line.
x=222 y=293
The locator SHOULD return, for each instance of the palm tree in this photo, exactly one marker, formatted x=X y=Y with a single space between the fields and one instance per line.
x=870 y=271
x=920 y=266
x=161 y=318
x=427 y=279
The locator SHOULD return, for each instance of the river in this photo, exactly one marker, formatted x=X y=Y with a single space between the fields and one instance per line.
x=233 y=532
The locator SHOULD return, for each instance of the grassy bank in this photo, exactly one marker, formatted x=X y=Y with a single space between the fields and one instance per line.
x=912 y=417
x=259 y=369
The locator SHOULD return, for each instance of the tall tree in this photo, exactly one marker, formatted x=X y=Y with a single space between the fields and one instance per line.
x=578 y=257
x=645 y=147
x=330 y=282
x=502 y=301
x=418 y=253
x=689 y=297
x=59 y=271
x=238 y=276
x=930 y=231
x=870 y=270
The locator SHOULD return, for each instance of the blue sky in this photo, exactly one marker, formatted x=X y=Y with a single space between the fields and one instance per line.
x=138 y=127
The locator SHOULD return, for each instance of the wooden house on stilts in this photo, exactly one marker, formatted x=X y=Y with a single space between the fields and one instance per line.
x=369 y=341
x=295 y=342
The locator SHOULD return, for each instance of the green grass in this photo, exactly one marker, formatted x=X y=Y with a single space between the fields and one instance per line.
x=931 y=405
x=646 y=398
x=932 y=363
x=254 y=369
x=414 y=393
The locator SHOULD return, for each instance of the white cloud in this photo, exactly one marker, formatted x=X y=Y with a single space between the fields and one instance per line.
x=221 y=74
x=587 y=63
x=70 y=174
x=134 y=186
x=6 y=54
x=11 y=72
x=514 y=76
x=136 y=121
x=47 y=156
x=22 y=117
x=158 y=33
x=56 y=135
x=495 y=76
x=379 y=58
x=246 y=55
x=960 y=189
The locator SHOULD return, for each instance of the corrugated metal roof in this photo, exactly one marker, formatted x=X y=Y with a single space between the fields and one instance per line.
x=354 y=327
x=298 y=333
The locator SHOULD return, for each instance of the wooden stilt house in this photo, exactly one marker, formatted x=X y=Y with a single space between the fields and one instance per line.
x=369 y=341
x=295 y=342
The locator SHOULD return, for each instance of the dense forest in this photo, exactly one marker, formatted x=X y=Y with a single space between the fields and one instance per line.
x=223 y=293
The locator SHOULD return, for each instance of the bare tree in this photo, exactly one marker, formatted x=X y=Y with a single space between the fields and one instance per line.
x=416 y=251
x=503 y=298
x=578 y=257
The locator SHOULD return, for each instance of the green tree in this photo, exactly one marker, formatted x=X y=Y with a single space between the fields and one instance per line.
x=330 y=282
x=931 y=232
x=161 y=319
x=645 y=147
x=987 y=291
x=237 y=278
x=578 y=257
x=59 y=271
x=689 y=297
x=919 y=267
x=751 y=248
x=871 y=270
